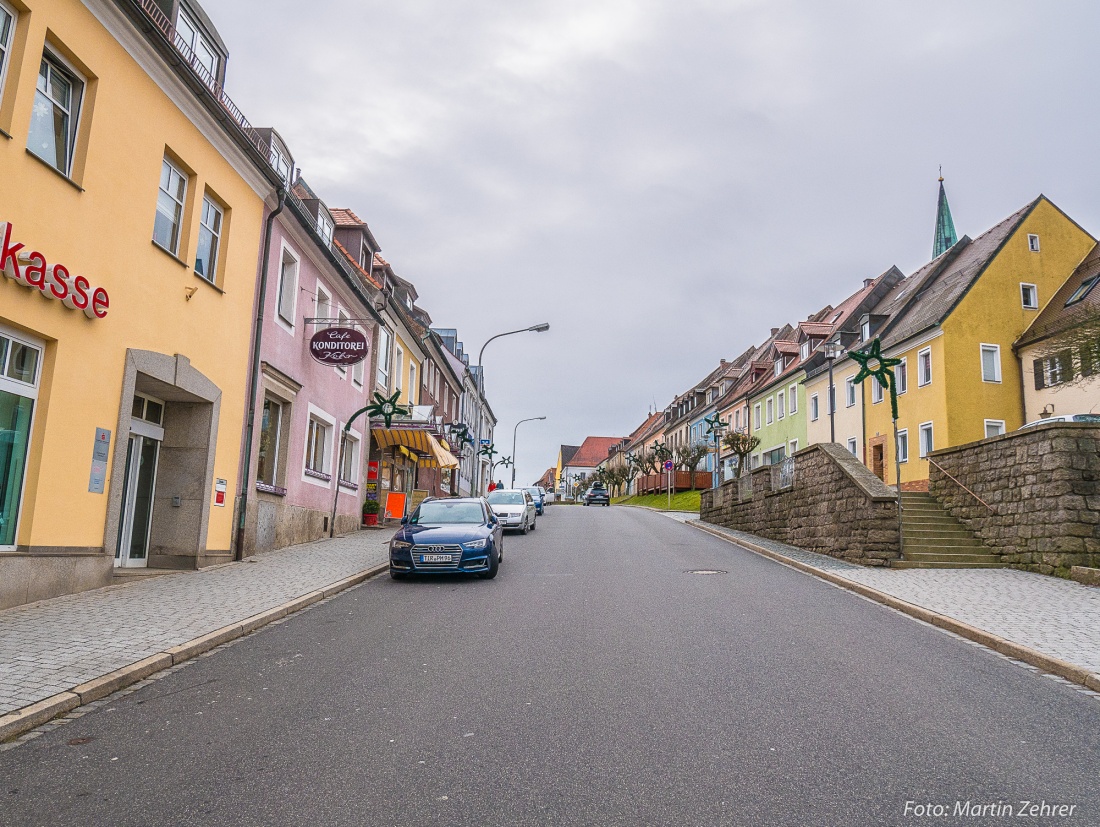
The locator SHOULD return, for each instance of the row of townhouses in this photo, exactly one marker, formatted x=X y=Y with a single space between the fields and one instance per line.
x=183 y=319
x=994 y=332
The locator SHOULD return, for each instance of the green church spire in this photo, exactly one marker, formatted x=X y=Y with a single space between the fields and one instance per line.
x=945 y=227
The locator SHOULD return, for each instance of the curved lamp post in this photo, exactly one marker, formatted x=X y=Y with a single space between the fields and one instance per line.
x=535 y=328
x=514 y=430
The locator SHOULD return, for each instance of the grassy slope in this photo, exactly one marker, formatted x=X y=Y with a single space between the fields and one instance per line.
x=684 y=501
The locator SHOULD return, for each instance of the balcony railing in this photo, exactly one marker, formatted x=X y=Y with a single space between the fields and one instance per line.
x=160 y=20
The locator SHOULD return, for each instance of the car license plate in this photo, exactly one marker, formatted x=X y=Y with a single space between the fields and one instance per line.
x=435 y=558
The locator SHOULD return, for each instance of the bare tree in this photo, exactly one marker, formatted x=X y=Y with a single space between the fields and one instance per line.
x=741 y=445
x=688 y=457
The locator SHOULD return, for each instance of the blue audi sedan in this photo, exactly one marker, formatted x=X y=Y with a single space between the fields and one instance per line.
x=460 y=535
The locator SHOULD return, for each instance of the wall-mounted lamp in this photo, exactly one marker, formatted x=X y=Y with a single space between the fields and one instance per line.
x=188 y=292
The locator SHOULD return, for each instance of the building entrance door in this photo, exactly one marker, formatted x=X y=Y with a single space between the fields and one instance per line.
x=138 y=487
x=878 y=461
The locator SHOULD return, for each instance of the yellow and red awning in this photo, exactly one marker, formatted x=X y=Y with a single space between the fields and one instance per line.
x=429 y=450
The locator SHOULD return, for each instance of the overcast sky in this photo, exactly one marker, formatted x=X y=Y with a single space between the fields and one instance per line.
x=662 y=181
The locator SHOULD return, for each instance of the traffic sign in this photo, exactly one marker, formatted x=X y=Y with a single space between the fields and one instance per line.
x=668 y=465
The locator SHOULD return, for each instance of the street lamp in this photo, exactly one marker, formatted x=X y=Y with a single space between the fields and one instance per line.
x=832 y=352
x=514 y=430
x=535 y=328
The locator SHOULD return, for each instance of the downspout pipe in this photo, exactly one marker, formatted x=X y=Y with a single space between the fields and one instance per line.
x=254 y=378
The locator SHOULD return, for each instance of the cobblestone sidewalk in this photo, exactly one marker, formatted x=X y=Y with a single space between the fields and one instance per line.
x=1055 y=617
x=54 y=645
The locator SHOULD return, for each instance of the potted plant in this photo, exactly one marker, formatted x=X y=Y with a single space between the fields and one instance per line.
x=370 y=512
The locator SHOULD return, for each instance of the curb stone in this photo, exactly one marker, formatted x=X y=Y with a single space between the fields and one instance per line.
x=1046 y=663
x=14 y=724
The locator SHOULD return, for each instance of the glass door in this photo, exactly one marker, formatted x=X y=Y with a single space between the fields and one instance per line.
x=138 y=487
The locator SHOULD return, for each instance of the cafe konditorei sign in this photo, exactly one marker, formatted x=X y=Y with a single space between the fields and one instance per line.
x=339 y=346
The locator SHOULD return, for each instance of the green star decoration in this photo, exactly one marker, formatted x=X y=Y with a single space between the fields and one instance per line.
x=488 y=451
x=714 y=424
x=872 y=363
x=387 y=407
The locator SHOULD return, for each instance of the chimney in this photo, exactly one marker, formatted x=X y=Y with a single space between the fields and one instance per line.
x=775 y=330
x=868 y=282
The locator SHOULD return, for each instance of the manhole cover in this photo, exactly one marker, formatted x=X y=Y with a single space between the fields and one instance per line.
x=706 y=571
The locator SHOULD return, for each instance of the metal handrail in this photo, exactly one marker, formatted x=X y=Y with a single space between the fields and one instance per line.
x=963 y=487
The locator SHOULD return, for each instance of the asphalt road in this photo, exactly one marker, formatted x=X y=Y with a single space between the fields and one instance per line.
x=594 y=682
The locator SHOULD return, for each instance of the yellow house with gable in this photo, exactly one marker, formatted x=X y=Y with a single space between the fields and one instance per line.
x=137 y=193
x=953 y=324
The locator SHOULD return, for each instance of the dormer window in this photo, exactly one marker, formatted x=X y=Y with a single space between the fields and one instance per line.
x=865 y=331
x=778 y=366
x=324 y=226
x=189 y=34
x=280 y=161
x=804 y=350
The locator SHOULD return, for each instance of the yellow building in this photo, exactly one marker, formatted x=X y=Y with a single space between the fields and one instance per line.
x=131 y=215
x=954 y=323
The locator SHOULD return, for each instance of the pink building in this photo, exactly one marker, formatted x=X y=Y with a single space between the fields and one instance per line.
x=299 y=462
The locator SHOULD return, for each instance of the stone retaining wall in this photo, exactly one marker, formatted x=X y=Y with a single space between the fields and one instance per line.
x=835 y=506
x=1043 y=489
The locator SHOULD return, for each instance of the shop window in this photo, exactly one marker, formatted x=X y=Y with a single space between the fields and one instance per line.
x=7 y=32
x=56 y=113
x=20 y=363
x=267 y=458
x=170 y=200
x=210 y=236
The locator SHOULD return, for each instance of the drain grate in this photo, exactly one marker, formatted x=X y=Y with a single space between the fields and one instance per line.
x=705 y=571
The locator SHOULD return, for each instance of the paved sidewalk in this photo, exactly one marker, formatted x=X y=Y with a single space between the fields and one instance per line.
x=53 y=646
x=1050 y=617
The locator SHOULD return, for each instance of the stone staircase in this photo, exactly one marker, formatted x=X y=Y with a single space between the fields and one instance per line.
x=936 y=540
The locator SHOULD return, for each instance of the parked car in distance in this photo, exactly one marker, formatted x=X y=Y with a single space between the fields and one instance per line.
x=597 y=494
x=514 y=508
x=1082 y=417
x=459 y=535
x=538 y=496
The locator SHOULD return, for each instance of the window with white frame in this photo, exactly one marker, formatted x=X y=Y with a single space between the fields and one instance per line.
x=756 y=417
x=349 y=463
x=865 y=331
x=288 y=287
x=793 y=446
x=1053 y=369
x=398 y=367
x=56 y=113
x=924 y=367
x=804 y=350
x=853 y=446
x=991 y=363
x=20 y=370
x=849 y=392
x=413 y=388
x=778 y=366
x=210 y=236
x=769 y=407
x=318 y=443
x=876 y=391
x=737 y=420
x=903 y=445
x=357 y=372
x=342 y=320
x=322 y=303
x=994 y=427
x=190 y=35
x=781 y=404
x=927 y=443
x=1029 y=296
x=7 y=32
x=325 y=227
x=814 y=411
x=170 y=201
x=901 y=376
x=280 y=161
x=792 y=398
x=1033 y=242
x=383 y=379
